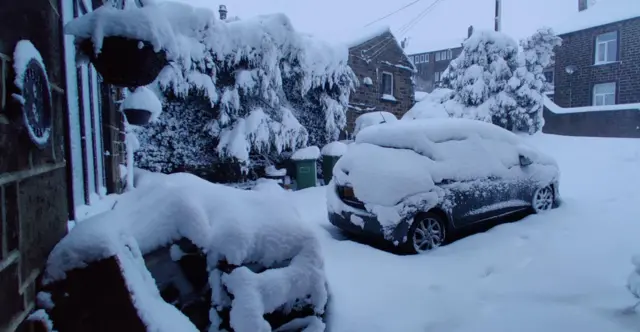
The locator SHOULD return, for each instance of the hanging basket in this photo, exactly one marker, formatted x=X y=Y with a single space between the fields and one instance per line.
x=137 y=117
x=125 y=62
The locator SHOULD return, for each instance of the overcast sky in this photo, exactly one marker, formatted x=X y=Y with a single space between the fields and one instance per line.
x=448 y=19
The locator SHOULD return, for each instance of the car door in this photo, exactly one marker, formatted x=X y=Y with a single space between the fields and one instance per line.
x=474 y=201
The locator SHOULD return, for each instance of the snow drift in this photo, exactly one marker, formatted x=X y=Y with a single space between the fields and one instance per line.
x=165 y=208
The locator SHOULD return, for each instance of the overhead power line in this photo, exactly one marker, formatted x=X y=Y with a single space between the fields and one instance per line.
x=393 y=13
x=407 y=27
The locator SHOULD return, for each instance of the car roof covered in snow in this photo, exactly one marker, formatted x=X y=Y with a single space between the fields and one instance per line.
x=420 y=135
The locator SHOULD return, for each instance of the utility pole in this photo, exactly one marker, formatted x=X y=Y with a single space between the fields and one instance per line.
x=498 y=17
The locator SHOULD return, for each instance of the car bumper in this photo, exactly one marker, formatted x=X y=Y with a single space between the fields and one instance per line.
x=360 y=222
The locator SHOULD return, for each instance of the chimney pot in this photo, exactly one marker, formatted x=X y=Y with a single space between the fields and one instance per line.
x=223 y=12
x=582 y=5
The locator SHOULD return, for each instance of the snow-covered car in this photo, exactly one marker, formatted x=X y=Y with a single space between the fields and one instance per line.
x=414 y=182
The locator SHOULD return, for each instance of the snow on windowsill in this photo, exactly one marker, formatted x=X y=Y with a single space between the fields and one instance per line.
x=387 y=97
x=605 y=63
x=554 y=108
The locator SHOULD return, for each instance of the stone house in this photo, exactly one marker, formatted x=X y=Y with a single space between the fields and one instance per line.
x=599 y=60
x=597 y=72
x=385 y=74
x=45 y=183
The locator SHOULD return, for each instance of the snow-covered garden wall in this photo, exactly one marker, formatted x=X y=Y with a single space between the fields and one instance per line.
x=243 y=91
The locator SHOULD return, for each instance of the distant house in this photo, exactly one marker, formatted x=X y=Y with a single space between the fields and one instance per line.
x=599 y=60
x=432 y=61
x=385 y=74
x=597 y=72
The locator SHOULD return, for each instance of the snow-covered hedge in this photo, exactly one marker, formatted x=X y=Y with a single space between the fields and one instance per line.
x=166 y=208
x=242 y=88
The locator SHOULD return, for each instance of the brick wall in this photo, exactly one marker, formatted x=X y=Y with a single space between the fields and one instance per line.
x=33 y=187
x=371 y=59
x=578 y=49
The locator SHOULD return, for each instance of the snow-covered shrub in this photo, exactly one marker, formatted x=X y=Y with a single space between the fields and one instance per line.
x=244 y=88
x=495 y=83
x=259 y=260
x=538 y=53
x=480 y=74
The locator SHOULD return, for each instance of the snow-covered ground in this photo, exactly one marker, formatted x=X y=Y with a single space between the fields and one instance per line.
x=564 y=270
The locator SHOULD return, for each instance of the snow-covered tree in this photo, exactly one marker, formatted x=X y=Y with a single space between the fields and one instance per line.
x=493 y=82
x=242 y=89
x=538 y=52
x=480 y=75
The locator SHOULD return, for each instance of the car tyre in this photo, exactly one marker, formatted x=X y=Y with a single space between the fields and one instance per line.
x=427 y=232
x=543 y=199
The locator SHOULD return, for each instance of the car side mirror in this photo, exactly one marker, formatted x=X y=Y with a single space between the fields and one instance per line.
x=525 y=161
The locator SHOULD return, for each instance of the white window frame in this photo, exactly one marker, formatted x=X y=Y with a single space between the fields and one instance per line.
x=422 y=58
x=426 y=57
x=382 y=83
x=437 y=76
x=437 y=56
x=600 y=97
x=88 y=181
x=449 y=54
x=606 y=44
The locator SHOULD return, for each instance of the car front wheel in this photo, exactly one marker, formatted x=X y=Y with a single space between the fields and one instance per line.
x=543 y=199
x=427 y=232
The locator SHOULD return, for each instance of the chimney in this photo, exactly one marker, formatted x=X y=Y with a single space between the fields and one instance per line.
x=582 y=5
x=223 y=12
x=470 y=31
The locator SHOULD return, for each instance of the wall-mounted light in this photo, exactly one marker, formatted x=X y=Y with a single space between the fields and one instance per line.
x=570 y=69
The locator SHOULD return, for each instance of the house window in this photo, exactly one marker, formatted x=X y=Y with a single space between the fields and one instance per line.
x=437 y=56
x=606 y=47
x=436 y=76
x=548 y=76
x=604 y=94
x=86 y=150
x=426 y=58
x=387 y=84
x=422 y=58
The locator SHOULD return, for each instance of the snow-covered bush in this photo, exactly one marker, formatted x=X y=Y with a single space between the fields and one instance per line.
x=437 y=104
x=480 y=74
x=244 y=88
x=235 y=240
x=495 y=83
x=538 y=52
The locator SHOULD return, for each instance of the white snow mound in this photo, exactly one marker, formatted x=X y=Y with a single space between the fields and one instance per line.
x=373 y=118
x=308 y=153
x=334 y=149
x=143 y=99
x=239 y=226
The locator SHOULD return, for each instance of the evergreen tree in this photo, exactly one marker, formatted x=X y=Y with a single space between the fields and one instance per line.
x=245 y=90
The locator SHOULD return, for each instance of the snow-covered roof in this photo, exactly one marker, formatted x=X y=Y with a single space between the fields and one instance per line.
x=601 y=13
x=418 y=46
x=363 y=35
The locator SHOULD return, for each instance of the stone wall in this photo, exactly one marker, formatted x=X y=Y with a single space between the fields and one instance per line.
x=578 y=49
x=371 y=59
x=619 y=123
x=33 y=181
